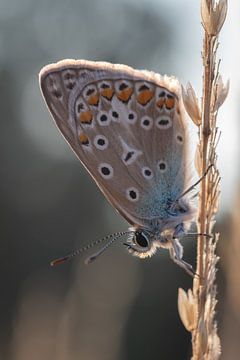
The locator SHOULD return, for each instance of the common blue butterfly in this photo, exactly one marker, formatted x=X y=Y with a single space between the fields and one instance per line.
x=128 y=129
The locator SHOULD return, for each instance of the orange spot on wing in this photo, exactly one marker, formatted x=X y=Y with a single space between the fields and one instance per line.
x=83 y=139
x=125 y=94
x=169 y=103
x=107 y=93
x=161 y=102
x=93 y=100
x=144 y=97
x=86 y=117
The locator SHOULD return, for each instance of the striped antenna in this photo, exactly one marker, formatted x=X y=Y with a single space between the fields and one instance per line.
x=112 y=238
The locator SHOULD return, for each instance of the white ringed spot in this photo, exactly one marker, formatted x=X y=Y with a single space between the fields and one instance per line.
x=132 y=117
x=103 y=118
x=80 y=105
x=105 y=170
x=101 y=142
x=162 y=166
x=147 y=172
x=132 y=194
x=164 y=122
x=115 y=115
x=146 y=122
x=129 y=154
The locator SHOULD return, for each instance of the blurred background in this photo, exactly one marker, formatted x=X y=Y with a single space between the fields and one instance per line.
x=120 y=307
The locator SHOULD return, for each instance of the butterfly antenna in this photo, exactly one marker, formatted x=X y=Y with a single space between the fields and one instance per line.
x=93 y=257
x=194 y=185
x=68 y=257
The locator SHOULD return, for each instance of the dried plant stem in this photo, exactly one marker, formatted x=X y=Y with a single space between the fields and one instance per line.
x=203 y=220
x=197 y=308
x=205 y=341
x=204 y=146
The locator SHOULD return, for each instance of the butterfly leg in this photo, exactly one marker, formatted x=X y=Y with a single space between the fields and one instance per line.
x=179 y=231
x=176 y=253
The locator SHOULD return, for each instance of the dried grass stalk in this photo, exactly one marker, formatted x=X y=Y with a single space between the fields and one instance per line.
x=197 y=309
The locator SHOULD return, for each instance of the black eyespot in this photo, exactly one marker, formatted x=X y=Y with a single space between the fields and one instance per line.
x=57 y=93
x=169 y=96
x=180 y=138
x=123 y=86
x=68 y=76
x=162 y=93
x=105 y=170
x=101 y=142
x=105 y=86
x=131 y=116
x=143 y=87
x=147 y=172
x=115 y=114
x=146 y=122
x=70 y=85
x=90 y=91
x=80 y=107
x=163 y=122
x=133 y=194
x=128 y=156
x=162 y=166
x=141 y=240
x=103 y=117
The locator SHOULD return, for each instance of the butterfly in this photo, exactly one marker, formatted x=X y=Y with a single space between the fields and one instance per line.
x=128 y=129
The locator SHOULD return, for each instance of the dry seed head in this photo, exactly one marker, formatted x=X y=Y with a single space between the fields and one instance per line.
x=215 y=204
x=208 y=308
x=191 y=104
x=203 y=336
x=198 y=160
x=216 y=346
x=187 y=309
x=221 y=92
x=213 y=15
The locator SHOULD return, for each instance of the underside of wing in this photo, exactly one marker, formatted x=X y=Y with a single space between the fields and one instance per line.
x=128 y=129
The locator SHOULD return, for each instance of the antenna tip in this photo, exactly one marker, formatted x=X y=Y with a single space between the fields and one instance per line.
x=90 y=259
x=59 y=261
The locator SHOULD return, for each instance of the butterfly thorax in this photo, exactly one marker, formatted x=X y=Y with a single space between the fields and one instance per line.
x=168 y=215
x=161 y=232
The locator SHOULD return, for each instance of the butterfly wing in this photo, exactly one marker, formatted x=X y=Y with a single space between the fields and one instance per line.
x=127 y=128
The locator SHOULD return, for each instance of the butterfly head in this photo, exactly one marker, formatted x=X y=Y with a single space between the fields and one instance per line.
x=143 y=243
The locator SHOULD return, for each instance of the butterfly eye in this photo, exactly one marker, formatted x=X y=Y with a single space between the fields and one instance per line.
x=141 y=245
x=141 y=240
